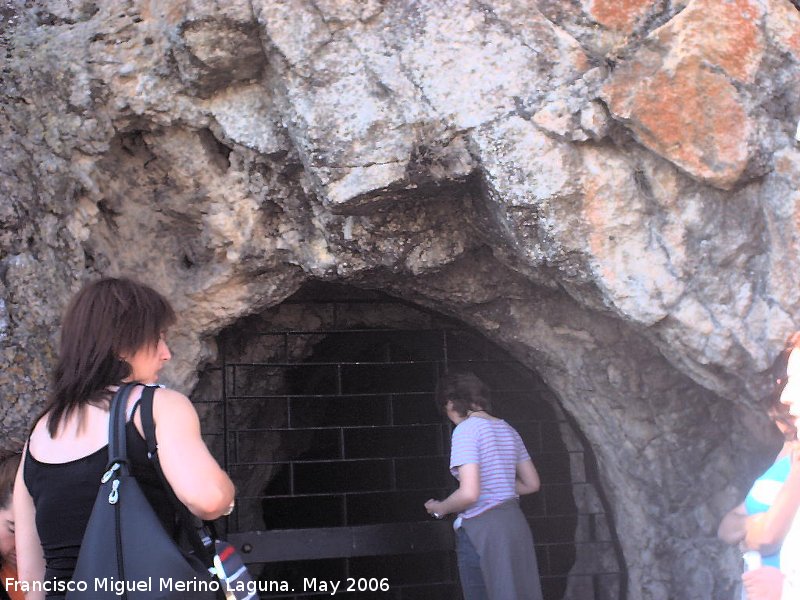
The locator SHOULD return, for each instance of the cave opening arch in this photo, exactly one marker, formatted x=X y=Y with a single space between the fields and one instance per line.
x=322 y=410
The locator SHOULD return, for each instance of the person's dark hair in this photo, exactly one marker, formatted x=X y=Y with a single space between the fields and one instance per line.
x=465 y=390
x=9 y=463
x=106 y=318
x=778 y=369
x=779 y=413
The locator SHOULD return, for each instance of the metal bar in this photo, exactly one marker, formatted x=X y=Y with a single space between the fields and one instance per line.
x=225 y=428
x=334 y=427
x=530 y=390
x=334 y=301
x=360 y=395
x=342 y=331
x=343 y=460
x=336 y=460
x=367 y=363
x=342 y=451
x=343 y=542
x=233 y=382
x=383 y=491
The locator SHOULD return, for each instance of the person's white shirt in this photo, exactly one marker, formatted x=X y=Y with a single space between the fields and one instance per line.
x=790 y=561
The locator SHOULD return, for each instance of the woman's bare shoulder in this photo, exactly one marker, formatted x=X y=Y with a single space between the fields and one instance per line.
x=169 y=395
x=171 y=402
x=39 y=431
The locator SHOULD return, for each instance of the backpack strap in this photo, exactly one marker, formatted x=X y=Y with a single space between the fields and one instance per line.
x=133 y=409
x=149 y=427
x=117 y=445
x=191 y=525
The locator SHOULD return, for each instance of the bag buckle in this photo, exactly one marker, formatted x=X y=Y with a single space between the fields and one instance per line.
x=110 y=473
x=114 y=495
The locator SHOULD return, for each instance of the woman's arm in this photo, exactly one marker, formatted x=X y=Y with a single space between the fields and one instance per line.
x=764 y=583
x=195 y=477
x=527 y=478
x=732 y=528
x=30 y=557
x=765 y=531
x=467 y=494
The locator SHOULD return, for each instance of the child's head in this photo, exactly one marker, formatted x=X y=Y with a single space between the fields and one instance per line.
x=9 y=463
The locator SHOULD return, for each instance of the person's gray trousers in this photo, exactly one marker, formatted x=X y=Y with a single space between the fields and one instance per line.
x=504 y=543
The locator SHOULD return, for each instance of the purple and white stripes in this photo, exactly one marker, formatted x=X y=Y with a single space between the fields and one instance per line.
x=497 y=448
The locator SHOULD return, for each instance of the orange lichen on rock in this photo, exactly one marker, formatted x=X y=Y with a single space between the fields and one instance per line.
x=619 y=15
x=692 y=117
x=678 y=93
x=739 y=45
x=726 y=34
x=595 y=214
x=783 y=26
x=702 y=108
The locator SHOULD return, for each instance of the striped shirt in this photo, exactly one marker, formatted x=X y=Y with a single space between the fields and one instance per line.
x=497 y=448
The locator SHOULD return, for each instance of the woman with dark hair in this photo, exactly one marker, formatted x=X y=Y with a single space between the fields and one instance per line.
x=496 y=558
x=113 y=331
x=743 y=521
x=9 y=462
x=778 y=529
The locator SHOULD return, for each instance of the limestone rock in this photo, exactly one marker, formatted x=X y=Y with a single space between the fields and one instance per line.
x=247 y=117
x=710 y=50
x=621 y=16
x=528 y=179
x=594 y=120
x=220 y=51
x=607 y=190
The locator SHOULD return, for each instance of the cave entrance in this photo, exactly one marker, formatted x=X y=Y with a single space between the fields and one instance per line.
x=327 y=423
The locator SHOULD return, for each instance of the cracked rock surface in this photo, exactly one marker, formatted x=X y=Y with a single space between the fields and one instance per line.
x=606 y=189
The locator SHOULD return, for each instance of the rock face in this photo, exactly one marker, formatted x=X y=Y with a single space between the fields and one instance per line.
x=608 y=190
x=711 y=50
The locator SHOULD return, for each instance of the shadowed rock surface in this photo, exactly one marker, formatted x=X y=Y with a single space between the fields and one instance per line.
x=606 y=189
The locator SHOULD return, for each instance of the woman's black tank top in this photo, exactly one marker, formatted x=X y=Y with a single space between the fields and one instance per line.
x=64 y=494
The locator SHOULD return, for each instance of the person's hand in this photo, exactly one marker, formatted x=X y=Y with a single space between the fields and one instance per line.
x=793 y=479
x=434 y=508
x=795 y=450
x=765 y=583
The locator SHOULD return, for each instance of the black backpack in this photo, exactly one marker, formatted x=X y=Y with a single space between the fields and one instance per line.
x=126 y=552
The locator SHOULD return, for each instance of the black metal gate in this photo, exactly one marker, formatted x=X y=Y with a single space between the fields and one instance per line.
x=335 y=444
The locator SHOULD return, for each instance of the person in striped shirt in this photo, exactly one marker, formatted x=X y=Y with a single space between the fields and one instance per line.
x=496 y=558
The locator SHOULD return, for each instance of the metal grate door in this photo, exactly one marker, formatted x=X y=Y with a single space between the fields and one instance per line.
x=349 y=445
